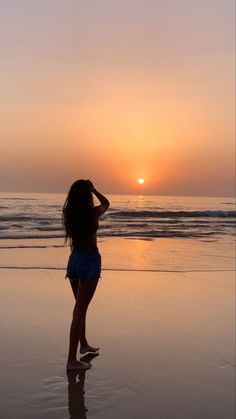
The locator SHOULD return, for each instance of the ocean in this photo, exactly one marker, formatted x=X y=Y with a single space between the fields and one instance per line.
x=137 y=232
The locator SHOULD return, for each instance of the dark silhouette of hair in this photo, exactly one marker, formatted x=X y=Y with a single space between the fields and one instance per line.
x=78 y=213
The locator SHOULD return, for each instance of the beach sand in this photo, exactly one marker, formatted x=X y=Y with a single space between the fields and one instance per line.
x=166 y=339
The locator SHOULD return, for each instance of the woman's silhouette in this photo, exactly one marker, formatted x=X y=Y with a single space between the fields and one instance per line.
x=80 y=219
x=76 y=392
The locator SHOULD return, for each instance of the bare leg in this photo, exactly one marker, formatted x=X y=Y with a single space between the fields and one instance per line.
x=84 y=346
x=75 y=286
x=85 y=293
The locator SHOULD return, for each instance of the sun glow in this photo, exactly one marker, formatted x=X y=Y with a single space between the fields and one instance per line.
x=141 y=181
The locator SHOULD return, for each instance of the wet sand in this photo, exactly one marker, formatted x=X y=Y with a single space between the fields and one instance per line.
x=166 y=339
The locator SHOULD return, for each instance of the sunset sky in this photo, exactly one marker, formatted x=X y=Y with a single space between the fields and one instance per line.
x=117 y=90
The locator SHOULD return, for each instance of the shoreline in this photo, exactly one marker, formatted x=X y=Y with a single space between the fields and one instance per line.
x=160 y=255
x=119 y=269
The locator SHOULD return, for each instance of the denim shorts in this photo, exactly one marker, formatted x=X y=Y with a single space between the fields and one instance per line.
x=84 y=264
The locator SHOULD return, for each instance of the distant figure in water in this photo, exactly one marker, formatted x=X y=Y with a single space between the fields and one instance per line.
x=80 y=219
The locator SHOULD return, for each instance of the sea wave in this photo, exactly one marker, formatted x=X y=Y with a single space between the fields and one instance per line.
x=119 y=233
x=21 y=217
x=173 y=214
x=147 y=223
x=30 y=236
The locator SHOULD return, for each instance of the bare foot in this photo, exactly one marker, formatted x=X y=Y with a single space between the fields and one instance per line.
x=88 y=348
x=78 y=365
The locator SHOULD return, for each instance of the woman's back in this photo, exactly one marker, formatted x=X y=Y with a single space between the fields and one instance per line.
x=80 y=216
x=85 y=230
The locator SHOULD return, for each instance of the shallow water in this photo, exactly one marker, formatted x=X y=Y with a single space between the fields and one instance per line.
x=125 y=254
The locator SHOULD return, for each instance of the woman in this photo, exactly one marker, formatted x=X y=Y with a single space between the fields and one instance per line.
x=80 y=219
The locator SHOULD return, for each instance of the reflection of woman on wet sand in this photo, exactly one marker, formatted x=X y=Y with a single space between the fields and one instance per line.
x=76 y=380
x=80 y=218
x=76 y=404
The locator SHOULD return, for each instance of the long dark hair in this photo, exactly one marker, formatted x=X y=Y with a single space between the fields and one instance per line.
x=78 y=214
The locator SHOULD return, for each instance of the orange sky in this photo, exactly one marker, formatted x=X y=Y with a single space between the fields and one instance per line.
x=116 y=92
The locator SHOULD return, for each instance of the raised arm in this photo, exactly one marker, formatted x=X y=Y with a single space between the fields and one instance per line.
x=104 y=203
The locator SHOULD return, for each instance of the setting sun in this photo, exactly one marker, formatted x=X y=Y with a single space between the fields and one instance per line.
x=141 y=181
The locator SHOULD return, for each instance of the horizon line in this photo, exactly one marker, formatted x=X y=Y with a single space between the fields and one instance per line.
x=128 y=194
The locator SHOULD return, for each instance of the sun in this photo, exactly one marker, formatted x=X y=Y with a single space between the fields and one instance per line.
x=141 y=181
